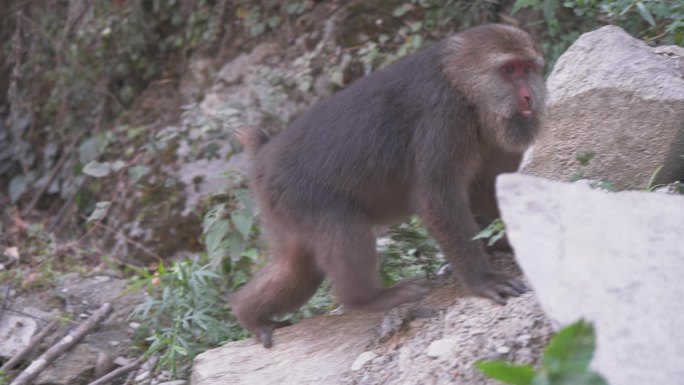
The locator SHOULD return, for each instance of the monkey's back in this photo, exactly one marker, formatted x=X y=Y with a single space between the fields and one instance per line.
x=352 y=148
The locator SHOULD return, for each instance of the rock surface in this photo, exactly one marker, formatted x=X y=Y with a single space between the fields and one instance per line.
x=314 y=351
x=613 y=258
x=338 y=349
x=16 y=331
x=75 y=367
x=613 y=95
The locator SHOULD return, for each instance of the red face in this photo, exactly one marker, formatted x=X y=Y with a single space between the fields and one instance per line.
x=518 y=72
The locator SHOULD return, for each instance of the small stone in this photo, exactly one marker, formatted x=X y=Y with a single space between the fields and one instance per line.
x=503 y=349
x=523 y=339
x=143 y=376
x=362 y=360
x=176 y=382
x=380 y=360
x=134 y=325
x=103 y=364
x=122 y=361
x=404 y=358
x=441 y=348
x=338 y=311
x=416 y=323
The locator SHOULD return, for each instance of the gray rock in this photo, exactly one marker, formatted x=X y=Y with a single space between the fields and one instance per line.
x=613 y=258
x=176 y=382
x=16 y=331
x=75 y=367
x=363 y=359
x=314 y=351
x=613 y=95
x=442 y=348
x=143 y=376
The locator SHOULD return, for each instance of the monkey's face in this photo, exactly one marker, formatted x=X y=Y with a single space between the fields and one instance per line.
x=499 y=70
x=518 y=73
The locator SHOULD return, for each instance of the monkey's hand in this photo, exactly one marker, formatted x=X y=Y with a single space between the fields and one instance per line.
x=496 y=287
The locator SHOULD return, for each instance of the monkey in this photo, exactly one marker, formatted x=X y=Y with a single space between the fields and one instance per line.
x=426 y=135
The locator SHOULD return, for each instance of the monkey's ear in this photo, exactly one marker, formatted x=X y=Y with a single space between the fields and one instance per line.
x=251 y=138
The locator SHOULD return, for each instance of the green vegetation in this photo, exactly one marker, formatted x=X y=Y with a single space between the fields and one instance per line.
x=493 y=232
x=96 y=121
x=565 y=361
x=184 y=313
x=655 y=21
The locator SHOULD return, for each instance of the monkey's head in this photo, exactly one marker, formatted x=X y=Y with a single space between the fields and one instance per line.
x=498 y=68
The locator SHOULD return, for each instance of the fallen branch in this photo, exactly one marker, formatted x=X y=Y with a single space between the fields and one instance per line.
x=62 y=346
x=35 y=341
x=118 y=372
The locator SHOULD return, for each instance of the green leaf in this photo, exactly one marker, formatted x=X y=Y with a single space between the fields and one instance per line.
x=212 y=216
x=88 y=150
x=651 y=181
x=135 y=173
x=506 y=372
x=243 y=223
x=180 y=350
x=97 y=169
x=118 y=165
x=101 y=209
x=571 y=349
x=520 y=4
x=496 y=237
x=645 y=13
x=402 y=10
x=496 y=228
x=584 y=157
x=17 y=187
x=216 y=234
x=236 y=245
x=257 y=29
x=337 y=77
x=578 y=378
x=274 y=21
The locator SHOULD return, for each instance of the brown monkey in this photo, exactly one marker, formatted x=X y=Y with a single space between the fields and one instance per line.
x=426 y=135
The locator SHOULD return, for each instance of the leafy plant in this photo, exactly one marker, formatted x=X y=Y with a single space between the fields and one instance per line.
x=583 y=157
x=185 y=313
x=408 y=252
x=655 y=21
x=565 y=361
x=494 y=231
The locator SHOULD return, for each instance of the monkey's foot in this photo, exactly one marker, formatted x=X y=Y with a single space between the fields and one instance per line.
x=407 y=291
x=496 y=287
x=265 y=334
x=411 y=290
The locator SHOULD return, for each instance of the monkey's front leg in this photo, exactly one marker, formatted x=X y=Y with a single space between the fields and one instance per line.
x=450 y=221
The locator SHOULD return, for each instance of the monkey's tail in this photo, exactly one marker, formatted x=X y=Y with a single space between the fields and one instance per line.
x=251 y=138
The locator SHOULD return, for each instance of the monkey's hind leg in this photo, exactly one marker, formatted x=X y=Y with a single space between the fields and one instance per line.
x=346 y=252
x=282 y=286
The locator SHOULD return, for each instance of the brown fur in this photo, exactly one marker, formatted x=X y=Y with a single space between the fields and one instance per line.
x=426 y=135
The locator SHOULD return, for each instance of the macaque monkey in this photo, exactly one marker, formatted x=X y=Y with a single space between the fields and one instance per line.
x=427 y=135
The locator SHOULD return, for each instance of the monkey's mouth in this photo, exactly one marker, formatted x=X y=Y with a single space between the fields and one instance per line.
x=526 y=113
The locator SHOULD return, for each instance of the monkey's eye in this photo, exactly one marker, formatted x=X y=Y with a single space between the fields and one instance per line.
x=527 y=68
x=509 y=68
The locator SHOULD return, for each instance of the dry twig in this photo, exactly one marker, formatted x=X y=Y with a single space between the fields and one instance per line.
x=118 y=372
x=63 y=345
x=35 y=341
